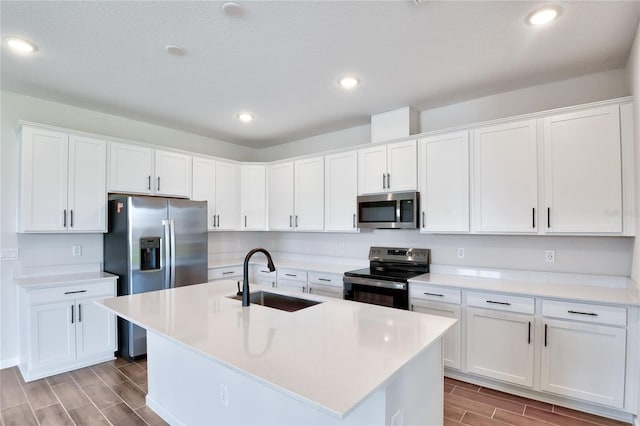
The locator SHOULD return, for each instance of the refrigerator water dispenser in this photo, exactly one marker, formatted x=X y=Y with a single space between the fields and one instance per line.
x=149 y=253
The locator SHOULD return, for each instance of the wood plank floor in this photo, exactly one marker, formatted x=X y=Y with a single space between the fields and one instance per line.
x=112 y=393
x=468 y=404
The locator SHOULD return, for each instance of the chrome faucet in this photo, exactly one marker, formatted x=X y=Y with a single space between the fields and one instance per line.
x=245 y=285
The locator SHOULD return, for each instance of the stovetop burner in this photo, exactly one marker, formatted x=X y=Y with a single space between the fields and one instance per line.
x=394 y=264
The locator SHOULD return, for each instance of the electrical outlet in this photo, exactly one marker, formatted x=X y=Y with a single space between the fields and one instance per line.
x=76 y=251
x=460 y=253
x=397 y=419
x=224 y=395
x=550 y=256
x=9 y=254
x=341 y=248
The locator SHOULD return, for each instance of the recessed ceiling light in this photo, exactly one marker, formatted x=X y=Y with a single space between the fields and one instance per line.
x=245 y=117
x=348 y=82
x=20 y=45
x=174 y=50
x=233 y=9
x=544 y=15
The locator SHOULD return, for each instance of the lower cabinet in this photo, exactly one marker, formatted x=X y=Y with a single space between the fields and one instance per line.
x=499 y=345
x=585 y=359
x=451 y=340
x=292 y=280
x=64 y=329
x=325 y=284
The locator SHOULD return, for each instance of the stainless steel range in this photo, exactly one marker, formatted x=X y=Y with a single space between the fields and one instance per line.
x=386 y=281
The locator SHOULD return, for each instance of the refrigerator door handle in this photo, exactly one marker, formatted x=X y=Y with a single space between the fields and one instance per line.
x=172 y=226
x=167 y=254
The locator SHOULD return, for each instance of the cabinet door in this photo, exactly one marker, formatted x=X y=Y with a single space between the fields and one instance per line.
x=583 y=171
x=341 y=191
x=254 y=197
x=130 y=168
x=452 y=340
x=52 y=334
x=372 y=170
x=227 y=196
x=571 y=351
x=173 y=174
x=95 y=329
x=402 y=166
x=505 y=178
x=204 y=178
x=292 y=285
x=444 y=183
x=309 y=194
x=43 y=180
x=281 y=197
x=500 y=345
x=87 y=188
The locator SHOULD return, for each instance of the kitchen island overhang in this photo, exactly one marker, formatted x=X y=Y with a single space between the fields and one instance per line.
x=210 y=361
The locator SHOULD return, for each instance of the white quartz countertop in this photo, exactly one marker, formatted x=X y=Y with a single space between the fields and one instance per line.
x=586 y=293
x=64 y=279
x=330 y=356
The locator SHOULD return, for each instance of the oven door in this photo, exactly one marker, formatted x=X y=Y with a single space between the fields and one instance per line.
x=384 y=293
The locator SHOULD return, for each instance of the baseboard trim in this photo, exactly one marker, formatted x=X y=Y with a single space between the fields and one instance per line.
x=9 y=362
x=164 y=415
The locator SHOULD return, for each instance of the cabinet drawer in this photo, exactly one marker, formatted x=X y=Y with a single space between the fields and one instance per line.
x=226 y=272
x=501 y=302
x=437 y=294
x=263 y=271
x=71 y=292
x=292 y=274
x=601 y=314
x=334 y=280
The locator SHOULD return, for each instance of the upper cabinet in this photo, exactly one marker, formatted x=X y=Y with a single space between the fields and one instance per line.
x=62 y=182
x=388 y=168
x=341 y=191
x=505 y=180
x=296 y=195
x=140 y=170
x=582 y=172
x=444 y=182
x=254 y=197
x=218 y=183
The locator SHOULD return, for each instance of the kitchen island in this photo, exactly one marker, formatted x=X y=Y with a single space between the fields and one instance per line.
x=211 y=361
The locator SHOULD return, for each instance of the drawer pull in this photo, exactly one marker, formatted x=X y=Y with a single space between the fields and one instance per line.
x=74 y=292
x=228 y=272
x=71 y=314
x=291 y=275
x=266 y=272
x=434 y=294
x=79 y=312
x=499 y=303
x=324 y=279
x=591 y=314
x=529 y=337
x=545 y=335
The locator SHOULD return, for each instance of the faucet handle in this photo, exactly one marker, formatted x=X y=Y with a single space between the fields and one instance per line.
x=239 y=293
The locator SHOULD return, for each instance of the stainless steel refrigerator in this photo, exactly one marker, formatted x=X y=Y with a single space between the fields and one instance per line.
x=153 y=244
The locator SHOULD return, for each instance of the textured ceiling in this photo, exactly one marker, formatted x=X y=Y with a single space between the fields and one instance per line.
x=281 y=59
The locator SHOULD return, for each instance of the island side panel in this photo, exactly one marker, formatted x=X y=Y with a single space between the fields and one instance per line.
x=184 y=388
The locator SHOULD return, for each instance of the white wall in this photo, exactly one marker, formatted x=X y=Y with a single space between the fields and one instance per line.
x=633 y=73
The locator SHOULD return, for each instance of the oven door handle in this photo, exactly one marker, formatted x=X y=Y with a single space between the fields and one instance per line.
x=375 y=283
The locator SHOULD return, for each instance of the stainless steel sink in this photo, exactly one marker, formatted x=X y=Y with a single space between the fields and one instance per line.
x=278 y=301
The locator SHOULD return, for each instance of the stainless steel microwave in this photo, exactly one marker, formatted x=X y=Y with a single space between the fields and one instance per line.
x=389 y=211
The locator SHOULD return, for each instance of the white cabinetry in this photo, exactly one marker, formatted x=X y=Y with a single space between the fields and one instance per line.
x=386 y=168
x=218 y=183
x=505 y=178
x=292 y=279
x=341 y=191
x=582 y=171
x=262 y=276
x=233 y=272
x=444 y=302
x=254 y=197
x=61 y=329
x=325 y=284
x=444 y=182
x=500 y=337
x=296 y=195
x=584 y=352
x=62 y=182
x=141 y=170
